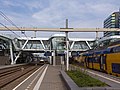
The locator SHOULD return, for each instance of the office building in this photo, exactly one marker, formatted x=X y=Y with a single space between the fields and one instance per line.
x=113 y=21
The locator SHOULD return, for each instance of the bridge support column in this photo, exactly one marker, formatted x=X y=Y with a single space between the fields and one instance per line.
x=54 y=58
x=20 y=51
x=96 y=35
x=50 y=59
x=11 y=53
x=61 y=60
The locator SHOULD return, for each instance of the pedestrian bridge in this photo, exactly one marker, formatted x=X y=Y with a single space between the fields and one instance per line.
x=56 y=45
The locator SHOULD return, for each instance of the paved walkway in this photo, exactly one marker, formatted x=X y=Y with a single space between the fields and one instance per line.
x=52 y=79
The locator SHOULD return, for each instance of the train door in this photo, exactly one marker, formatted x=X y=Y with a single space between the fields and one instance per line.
x=102 y=62
x=86 y=61
x=93 y=58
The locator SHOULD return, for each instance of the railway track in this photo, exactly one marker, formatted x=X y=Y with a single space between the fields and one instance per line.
x=7 y=71
x=33 y=81
x=9 y=75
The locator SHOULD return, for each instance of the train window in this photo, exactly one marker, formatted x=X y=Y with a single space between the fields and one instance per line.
x=116 y=68
x=96 y=60
x=116 y=49
x=91 y=59
x=104 y=59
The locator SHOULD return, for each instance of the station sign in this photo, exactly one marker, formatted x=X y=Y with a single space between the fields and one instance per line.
x=61 y=54
x=75 y=53
x=48 y=53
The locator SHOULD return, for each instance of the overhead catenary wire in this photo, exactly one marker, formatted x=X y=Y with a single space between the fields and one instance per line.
x=5 y=17
x=10 y=29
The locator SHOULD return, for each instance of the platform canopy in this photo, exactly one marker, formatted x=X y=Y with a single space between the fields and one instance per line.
x=59 y=29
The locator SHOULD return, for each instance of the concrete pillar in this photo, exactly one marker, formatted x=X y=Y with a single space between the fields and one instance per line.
x=54 y=58
x=50 y=59
x=96 y=35
x=11 y=53
x=61 y=59
x=35 y=34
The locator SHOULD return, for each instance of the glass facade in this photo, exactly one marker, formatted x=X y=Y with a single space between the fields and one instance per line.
x=81 y=45
x=113 y=21
x=58 y=43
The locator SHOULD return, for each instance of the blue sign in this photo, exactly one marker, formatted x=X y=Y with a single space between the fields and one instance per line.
x=48 y=53
x=75 y=53
x=61 y=54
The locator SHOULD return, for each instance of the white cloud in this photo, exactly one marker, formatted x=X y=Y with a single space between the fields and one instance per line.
x=85 y=15
x=34 y=5
x=9 y=3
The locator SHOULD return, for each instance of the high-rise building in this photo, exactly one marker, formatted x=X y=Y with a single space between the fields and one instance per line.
x=113 y=21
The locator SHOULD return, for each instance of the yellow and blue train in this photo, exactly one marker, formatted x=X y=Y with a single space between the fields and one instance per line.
x=105 y=57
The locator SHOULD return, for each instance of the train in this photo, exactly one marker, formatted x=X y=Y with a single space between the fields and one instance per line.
x=36 y=59
x=104 y=57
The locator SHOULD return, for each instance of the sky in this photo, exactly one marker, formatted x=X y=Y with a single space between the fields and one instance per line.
x=53 y=13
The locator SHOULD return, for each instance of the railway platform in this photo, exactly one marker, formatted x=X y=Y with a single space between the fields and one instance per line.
x=9 y=66
x=53 y=79
x=45 y=77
